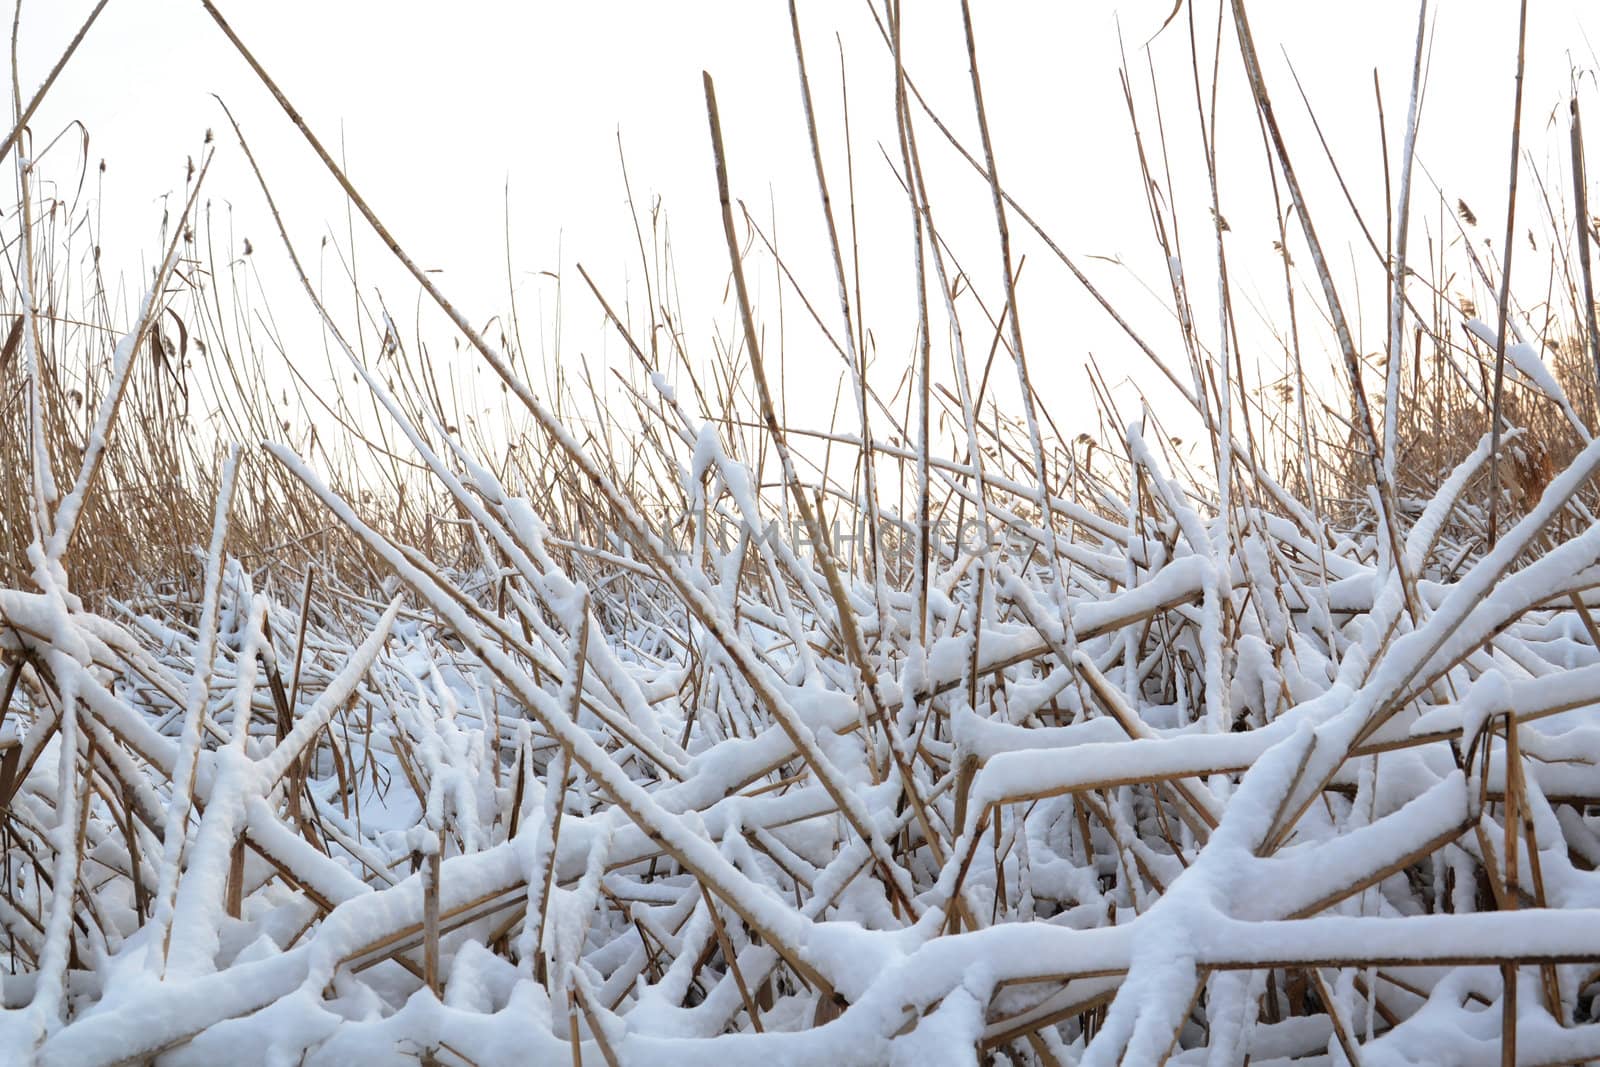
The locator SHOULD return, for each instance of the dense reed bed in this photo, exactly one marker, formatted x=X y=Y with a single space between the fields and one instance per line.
x=711 y=733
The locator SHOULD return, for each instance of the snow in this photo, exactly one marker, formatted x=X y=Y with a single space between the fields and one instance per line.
x=1284 y=844
x=1168 y=772
x=1279 y=846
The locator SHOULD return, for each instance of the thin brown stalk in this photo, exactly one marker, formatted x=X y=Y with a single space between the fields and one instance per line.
x=1580 y=209
x=1504 y=309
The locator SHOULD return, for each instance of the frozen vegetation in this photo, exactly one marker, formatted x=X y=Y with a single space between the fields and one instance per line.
x=1284 y=763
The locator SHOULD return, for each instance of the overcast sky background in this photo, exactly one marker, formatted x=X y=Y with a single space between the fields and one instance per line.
x=445 y=119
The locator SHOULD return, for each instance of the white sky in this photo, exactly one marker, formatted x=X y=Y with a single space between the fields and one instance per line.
x=445 y=116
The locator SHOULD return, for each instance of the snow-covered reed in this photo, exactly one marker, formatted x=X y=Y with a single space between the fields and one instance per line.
x=1135 y=768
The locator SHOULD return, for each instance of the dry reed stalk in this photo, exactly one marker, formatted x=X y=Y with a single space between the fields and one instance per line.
x=1504 y=303
x=430 y=918
x=849 y=633
x=1580 y=211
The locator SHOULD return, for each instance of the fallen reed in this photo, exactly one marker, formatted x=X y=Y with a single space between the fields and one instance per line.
x=658 y=722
